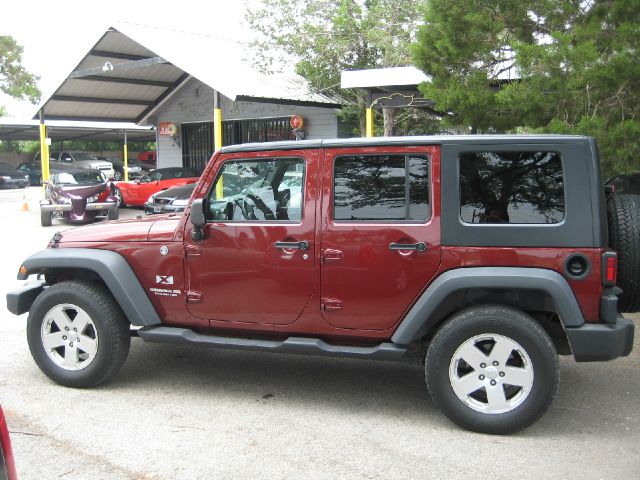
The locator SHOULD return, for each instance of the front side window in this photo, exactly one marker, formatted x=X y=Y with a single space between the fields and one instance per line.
x=258 y=190
x=381 y=188
x=511 y=187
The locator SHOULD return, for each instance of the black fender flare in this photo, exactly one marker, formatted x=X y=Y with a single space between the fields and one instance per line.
x=110 y=266
x=420 y=318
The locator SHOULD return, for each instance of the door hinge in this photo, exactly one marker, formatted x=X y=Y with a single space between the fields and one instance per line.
x=192 y=250
x=331 y=255
x=330 y=304
x=194 y=297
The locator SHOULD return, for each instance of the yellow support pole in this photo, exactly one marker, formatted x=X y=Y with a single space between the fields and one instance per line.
x=217 y=138
x=369 y=122
x=44 y=151
x=368 y=116
x=126 y=158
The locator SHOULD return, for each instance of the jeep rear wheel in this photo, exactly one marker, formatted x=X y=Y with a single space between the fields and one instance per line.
x=623 y=212
x=77 y=334
x=492 y=369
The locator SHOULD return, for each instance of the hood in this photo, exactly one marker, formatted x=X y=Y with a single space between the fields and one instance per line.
x=134 y=230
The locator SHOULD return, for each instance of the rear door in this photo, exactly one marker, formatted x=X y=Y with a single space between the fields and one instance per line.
x=255 y=264
x=380 y=235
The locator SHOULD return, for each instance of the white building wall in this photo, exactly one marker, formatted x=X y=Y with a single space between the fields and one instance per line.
x=194 y=103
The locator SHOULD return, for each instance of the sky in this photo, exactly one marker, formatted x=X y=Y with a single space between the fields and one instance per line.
x=56 y=35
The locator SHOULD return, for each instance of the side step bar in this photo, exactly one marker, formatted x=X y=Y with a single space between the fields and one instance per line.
x=300 y=345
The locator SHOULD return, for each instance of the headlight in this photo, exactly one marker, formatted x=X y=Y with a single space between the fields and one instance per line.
x=152 y=198
x=26 y=177
x=4 y=179
x=93 y=199
x=180 y=202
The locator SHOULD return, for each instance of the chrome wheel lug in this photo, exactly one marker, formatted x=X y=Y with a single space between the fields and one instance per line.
x=66 y=329
x=71 y=344
x=483 y=365
x=501 y=374
x=64 y=337
x=481 y=377
x=495 y=362
x=493 y=382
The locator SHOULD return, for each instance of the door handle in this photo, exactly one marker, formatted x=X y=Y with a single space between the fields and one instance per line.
x=420 y=246
x=302 y=245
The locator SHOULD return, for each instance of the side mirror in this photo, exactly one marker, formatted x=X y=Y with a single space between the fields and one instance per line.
x=137 y=180
x=197 y=219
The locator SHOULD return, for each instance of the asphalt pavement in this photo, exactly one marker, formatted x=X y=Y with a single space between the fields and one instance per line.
x=193 y=413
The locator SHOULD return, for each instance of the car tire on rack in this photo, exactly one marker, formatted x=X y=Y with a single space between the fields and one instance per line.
x=46 y=218
x=623 y=212
x=492 y=369
x=77 y=334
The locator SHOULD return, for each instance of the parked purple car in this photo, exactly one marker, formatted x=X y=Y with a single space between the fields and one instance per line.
x=77 y=195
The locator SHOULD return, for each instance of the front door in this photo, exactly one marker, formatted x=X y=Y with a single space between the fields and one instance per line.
x=381 y=233
x=255 y=264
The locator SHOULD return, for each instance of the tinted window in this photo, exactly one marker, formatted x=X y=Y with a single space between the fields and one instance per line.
x=258 y=190
x=381 y=187
x=511 y=187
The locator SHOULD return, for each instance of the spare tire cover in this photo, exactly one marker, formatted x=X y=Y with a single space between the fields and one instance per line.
x=623 y=212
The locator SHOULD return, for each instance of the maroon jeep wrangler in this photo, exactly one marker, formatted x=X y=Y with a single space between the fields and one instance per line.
x=490 y=255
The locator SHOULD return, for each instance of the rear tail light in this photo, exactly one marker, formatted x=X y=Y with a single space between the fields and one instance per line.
x=609 y=269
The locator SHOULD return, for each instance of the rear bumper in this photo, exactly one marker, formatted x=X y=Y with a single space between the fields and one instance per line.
x=601 y=342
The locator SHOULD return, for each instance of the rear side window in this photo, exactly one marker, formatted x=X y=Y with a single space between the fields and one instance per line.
x=511 y=187
x=381 y=187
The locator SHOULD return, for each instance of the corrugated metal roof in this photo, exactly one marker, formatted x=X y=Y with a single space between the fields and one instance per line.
x=132 y=69
x=14 y=129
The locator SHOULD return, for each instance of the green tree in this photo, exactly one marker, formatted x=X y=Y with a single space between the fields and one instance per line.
x=324 y=37
x=14 y=78
x=561 y=66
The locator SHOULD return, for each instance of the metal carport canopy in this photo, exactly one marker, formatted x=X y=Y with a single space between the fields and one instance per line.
x=12 y=129
x=133 y=69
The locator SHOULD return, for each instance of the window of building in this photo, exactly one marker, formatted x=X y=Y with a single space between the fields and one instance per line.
x=381 y=187
x=511 y=187
x=258 y=190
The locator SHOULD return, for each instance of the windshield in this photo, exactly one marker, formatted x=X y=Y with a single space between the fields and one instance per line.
x=89 y=177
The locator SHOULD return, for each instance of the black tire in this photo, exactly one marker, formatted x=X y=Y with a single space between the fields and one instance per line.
x=66 y=303
x=623 y=212
x=531 y=356
x=46 y=218
x=118 y=194
x=114 y=214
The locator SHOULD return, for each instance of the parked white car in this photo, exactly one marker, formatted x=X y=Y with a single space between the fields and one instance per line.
x=62 y=159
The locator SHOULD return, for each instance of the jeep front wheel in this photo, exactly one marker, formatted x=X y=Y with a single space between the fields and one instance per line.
x=492 y=369
x=77 y=334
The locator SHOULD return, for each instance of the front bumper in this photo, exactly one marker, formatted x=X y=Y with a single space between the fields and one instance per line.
x=151 y=208
x=67 y=207
x=599 y=342
x=14 y=183
x=19 y=301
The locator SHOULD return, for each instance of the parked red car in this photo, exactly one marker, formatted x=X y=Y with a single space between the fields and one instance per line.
x=137 y=192
x=7 y=464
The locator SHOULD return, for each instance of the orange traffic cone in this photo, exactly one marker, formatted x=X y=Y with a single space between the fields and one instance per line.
x=25 y=205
